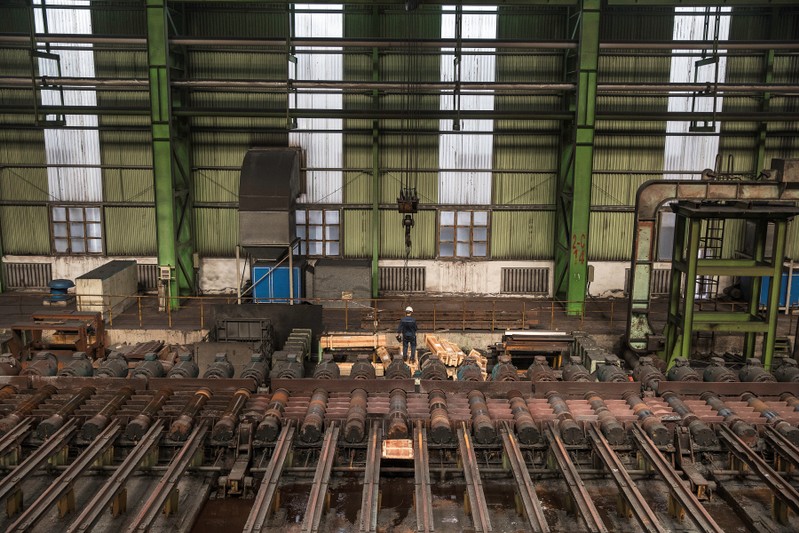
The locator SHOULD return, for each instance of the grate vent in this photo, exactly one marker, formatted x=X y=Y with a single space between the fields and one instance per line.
x=661 y=279
x=525 y=280
x=27 y=275
x=393 y=279
x=148 y=276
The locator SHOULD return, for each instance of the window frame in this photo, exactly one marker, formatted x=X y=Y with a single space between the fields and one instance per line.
x=67 y=222
x=302 y=247
x=455 y=257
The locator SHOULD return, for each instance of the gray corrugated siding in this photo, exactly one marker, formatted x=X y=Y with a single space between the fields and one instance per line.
x=25 y=230
x=216 y=232
x=522 y=234
x=130 y=231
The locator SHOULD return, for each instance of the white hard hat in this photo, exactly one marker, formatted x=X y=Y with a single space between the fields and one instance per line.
x=409 y=309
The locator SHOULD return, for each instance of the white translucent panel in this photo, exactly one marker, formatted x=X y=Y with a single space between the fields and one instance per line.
x=464 y=218
x=447 y=218
x=60 y=230
x=447 y=234
x=299 y=216
x=464 y=234
x=301 y=232
x=331 y=216
x=331 y=248
x=95 y=246
x=479 y=249
x=314 y=233
x=315 y=217
x=314 y=248
x=78 y=246
x=464 y=187
x=76 y=214
x=94 y=230
x=463 y=249
x=331 y=233
x=447 y=249
x=59 y=214
x=76 y=229
x=479 y=234
x=61 y=245
x=480 y=218
x=93 y=214
x=303 y=248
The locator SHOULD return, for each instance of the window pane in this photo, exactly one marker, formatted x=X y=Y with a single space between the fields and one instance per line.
x=303 y=248
x=464 y=218
x=464 y=234
x=447 y=234
x=314 y=248
x=331 y=233
x=300 y=216
x=481 y=218
x=480 y=249
x=463 y=249
x=331 y=248
x=95 y=246
x=314 y=233
x=331 y=217
x=78 y=246
x=479 y=233
x=315 y=217
x=76 y=230
x=59 y=214
x=93 y=214
x=297 y=248
x=76 y=214
x=446 y=249
x=94 y=230
x=301 y=232
x=61 y=245
x=447 y=218
x=60 y=230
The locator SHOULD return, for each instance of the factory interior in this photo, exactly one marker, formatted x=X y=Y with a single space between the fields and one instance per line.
x=399 y=266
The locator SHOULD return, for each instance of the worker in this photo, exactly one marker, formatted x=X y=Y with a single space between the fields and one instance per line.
x=406 y=332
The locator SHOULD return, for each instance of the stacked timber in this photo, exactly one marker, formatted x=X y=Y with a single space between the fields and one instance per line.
x=448 y=353
x=349 y=342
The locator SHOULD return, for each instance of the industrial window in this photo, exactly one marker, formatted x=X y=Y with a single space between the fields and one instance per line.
x=77 y=230
x=463 y=234
x=318 y=231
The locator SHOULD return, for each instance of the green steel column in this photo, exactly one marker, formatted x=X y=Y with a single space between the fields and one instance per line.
x=754 y=300
x=171 y=157
x=778 y=255
x=671 y=332
x=574 y=188
x=375 y=163
x=692 y=258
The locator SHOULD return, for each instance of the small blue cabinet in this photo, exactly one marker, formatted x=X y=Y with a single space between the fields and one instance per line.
x=746 y=284
x=274 y=287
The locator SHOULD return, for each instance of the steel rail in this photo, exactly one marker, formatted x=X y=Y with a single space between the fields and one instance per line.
x=640 y=509
x=530 y=502
x=782 y=490
x=112 y=487
x=177 y=467
x=474 y=484
x=64 y=484
x=422 y=496
x=582 y=499
x=321 y=481
x=678 y=490
x=782 y=445
x=266 y=492
x=54 y=443
x=13 y=437
x=371 y=482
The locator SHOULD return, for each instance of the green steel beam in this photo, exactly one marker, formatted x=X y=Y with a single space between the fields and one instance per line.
x=171 y=157
x=399 y=2
x=574 y=184
x=773 y=305
x=701 y=3
x=375 y=162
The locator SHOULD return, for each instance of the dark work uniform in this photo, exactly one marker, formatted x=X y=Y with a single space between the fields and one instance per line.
x=407 y=328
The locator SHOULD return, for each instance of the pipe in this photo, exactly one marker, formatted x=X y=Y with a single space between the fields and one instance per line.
x=701 y=432
x=570 y=430
x=57 y=419
x=397 y=415
x=99 y=422
x=482 y=427
x=774 y=419
x=354 y=427
x=526 y=428
x=180 y=429
x=223 y=429
x=313 y=424
x=608 y=423
x=651 y=424
x=270 y=425
x=791 y=400
x=7 y=391
x=138 y=427
x=741 y=428
x=440 y=426
x=26 y=408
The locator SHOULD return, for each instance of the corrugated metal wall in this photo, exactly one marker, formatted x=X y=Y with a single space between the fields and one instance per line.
x=121 y=221
x=25 y=230
x=522 y=234
x=392 y=235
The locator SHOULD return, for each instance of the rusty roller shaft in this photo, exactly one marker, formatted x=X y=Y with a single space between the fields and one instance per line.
x=610 y=426
x=180 y=429
x=100 y=421
x=270 y=424
x=540 y=370
x=313 y=424
x=526 y=428
x=791 y=400
x=223 y=429
x=7 y=391
x=57 y=419
x=700 y=431
x=651 y=424
x=570 y=430
x=397 y=415
x=741 y=428
x=440 y=427
x=482 y=427
x=774 y=419
x=25 y=409
x=355 y=425
x=139 y=425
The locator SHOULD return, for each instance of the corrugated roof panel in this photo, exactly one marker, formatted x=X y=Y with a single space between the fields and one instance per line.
x=522 y=235
x=30 y=237
x=610 y=236
x=357 y=239
x=220 y=20
x=120 y=240
x=216 y=231
x=392 y=235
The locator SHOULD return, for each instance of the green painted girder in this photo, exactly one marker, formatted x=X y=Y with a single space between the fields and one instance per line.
x=575 y=176
x=399 y=2
x=171 y=158
x=702 y=3
x=727 y=267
